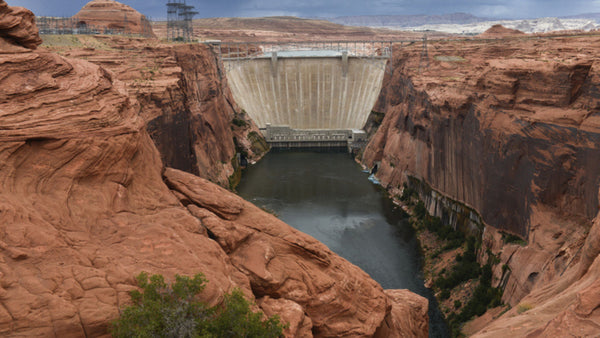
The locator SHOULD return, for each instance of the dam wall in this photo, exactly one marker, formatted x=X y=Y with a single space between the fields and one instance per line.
x=324 y=92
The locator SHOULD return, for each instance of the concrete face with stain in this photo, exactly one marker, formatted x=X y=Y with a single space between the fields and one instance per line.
x=322 y=92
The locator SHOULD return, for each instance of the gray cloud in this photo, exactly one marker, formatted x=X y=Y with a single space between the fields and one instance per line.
x=326 y=8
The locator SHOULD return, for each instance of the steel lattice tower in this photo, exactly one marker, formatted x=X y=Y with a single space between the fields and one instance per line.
x=179 y=21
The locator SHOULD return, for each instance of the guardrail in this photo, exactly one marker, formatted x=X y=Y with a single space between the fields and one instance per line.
x=248 y=50
x=69 y=25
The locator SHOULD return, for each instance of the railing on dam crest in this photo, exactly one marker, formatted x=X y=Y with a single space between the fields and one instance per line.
x=249 y=50
x=307 y=94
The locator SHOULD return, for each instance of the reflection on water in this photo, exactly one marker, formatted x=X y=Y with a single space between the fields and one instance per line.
x=327 y=196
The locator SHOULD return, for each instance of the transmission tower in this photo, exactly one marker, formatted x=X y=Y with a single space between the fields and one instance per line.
x=179 y=21
x=424 y=60
x=187 y=12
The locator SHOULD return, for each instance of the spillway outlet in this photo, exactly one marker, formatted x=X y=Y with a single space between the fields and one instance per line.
x=284 y=137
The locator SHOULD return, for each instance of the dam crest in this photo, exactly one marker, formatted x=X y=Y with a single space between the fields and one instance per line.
x=307 y=94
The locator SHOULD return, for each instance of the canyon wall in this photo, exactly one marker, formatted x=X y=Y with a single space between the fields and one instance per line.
x=183 y=97
x=510 y=129
x=307 y=92
x=86 y=204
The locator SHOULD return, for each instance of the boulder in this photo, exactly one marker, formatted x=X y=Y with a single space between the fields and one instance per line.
x=18 y=32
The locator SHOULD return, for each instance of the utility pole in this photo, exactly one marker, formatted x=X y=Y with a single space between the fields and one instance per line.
x=424 y=60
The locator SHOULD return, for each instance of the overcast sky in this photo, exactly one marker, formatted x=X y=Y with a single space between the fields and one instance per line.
x=516 y=9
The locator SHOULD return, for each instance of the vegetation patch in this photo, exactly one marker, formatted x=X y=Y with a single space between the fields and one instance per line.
x=236 y=177
x=69 y=41
x=524 y=307
x=258 y=143
x=162 y=310
x=239 y=122
x=462 y=285
x=512 y=239
x=373 y=122
x=449 y=58
x=269 y=211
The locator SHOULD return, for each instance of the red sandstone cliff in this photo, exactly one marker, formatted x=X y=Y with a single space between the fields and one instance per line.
x=86 y=204
x=512 y=129
x=18 y=31
x=113 y=15
x=183 y=97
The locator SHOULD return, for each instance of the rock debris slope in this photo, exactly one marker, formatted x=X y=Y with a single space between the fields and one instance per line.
x=84 y=207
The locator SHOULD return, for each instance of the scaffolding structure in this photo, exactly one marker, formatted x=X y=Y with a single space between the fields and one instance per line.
x=424 y=59
x=71 y=25
x=179 y=21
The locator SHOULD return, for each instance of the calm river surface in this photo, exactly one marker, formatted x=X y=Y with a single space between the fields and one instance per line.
x=328 y=197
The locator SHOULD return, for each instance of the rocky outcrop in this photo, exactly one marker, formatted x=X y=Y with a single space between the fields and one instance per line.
x=499 y=31
x=491 y=136
x=114 y=16
x=18 y=32
x=565 y=306
x=509 y=129
x=84 y=207
x=408 y=318
x=185 y=101
x=281 y=262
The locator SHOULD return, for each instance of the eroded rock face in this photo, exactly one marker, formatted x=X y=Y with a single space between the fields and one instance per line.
x=83 y=205
x=408 y=318
x=185 y=101
x=113 y=15
x=18 y=32
x=84 y=208
x=511 y=134
x=564 y=306
x=281 y=262
x=290 y=312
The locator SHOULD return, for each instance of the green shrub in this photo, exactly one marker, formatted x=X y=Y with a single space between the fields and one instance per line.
x=408 y=194
x=524 y=307
x=234 y=319
x=484 y=296
x=466 y=268
x=160 y=310
x=239 y=122
x=513 y=239
x=420 y=210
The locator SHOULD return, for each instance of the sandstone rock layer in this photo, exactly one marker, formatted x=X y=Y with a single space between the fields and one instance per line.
x=511 y=130
x=184 y=100
x=113 y=15
x=18 y=31
x=86 y=204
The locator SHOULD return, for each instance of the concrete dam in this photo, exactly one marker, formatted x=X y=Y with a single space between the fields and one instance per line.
x=308 y=97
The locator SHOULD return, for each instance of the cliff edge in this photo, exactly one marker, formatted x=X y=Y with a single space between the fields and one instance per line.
x=503 y=137
x=86 y=204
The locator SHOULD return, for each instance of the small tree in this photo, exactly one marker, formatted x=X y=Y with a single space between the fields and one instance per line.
x=234 y=319
x=160 y=310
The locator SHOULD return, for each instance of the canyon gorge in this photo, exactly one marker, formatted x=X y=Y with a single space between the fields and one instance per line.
x=116 y=154
x=499 y=137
